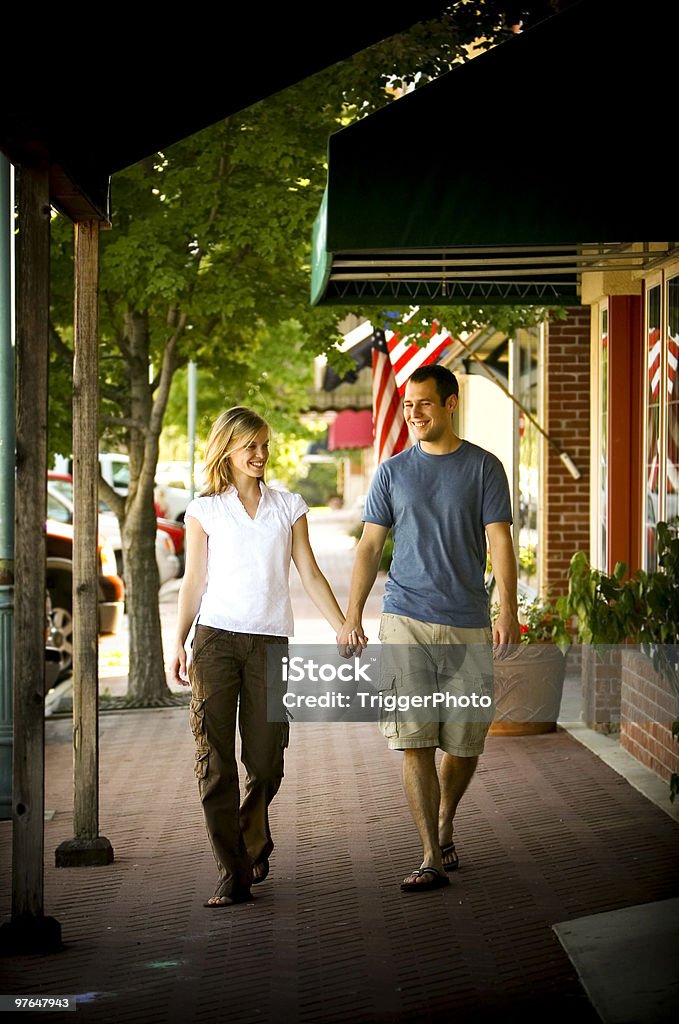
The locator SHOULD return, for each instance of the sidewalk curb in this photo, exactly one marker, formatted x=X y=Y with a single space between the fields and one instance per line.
x=608 y=750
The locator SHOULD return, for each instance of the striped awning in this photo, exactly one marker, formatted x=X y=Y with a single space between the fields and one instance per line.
x=351 y=429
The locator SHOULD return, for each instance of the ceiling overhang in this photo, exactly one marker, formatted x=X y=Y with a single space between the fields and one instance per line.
x=90 y=102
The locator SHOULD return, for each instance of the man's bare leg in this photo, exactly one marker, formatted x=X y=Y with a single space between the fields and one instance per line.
x=421 y=785
x=455 y=774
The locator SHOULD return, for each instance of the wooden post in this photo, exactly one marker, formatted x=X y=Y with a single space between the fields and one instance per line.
x=87 y=847
x=7 y=448
x=29 y=928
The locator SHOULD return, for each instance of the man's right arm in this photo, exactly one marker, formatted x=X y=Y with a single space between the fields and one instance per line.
x=366 y=566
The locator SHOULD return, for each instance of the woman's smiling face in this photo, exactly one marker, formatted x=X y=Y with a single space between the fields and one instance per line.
x=251 y=459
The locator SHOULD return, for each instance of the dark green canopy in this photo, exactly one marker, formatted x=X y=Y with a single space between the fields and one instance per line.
x=505 y=178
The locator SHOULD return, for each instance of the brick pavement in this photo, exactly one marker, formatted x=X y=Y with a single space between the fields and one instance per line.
x=547 y=833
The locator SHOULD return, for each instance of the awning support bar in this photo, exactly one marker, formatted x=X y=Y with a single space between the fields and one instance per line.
x=563 y=455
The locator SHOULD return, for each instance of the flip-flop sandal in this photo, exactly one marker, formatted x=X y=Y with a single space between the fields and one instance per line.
x=448 y=850
x=436 y=882
x=263 y=864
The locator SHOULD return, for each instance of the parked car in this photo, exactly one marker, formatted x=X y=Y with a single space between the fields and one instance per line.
x=177 y=533
x=59 y=576
x=173 y=487
x=54 y=641
x=166 y=557
x=178 y=474
x=60 y=508
x=54 y=666
x=171 y=501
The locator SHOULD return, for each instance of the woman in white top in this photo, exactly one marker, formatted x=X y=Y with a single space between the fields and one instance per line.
x=240 y=537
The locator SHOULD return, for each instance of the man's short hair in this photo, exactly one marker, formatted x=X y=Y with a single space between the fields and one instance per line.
x=445 y=380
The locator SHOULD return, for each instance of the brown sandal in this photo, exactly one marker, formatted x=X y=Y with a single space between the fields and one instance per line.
x=434 y=880
x=263 y=865
x=449 y=851
x=262 y=862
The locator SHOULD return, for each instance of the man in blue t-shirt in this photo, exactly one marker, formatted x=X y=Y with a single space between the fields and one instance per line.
x=443 y=497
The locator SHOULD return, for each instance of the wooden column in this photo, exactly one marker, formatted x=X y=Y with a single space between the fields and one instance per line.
x=87 y=847
x=29 y=928
x=7 y=447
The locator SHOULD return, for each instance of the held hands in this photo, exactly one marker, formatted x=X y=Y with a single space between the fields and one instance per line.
x=351 y=639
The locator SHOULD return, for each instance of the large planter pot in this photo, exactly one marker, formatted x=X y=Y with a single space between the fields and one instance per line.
x=528 y=689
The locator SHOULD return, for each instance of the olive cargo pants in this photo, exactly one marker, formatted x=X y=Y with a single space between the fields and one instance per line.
x=228 y=677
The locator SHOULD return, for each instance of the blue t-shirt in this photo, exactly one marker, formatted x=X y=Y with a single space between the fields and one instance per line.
x=439 y=506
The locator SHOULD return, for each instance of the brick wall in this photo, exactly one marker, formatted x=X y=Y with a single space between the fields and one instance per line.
x=601 y=685
x=567 y=409
x=647 y=709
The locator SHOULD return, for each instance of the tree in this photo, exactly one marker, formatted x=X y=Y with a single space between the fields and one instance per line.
x=277 y=378
x=208 y=259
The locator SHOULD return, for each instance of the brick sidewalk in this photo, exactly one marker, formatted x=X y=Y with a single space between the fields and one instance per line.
x=547 y=833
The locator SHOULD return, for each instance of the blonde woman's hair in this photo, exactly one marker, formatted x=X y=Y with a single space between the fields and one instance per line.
x=234 y=429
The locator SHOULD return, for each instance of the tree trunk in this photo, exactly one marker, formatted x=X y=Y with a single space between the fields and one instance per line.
x=147 y=681
x=147 y=685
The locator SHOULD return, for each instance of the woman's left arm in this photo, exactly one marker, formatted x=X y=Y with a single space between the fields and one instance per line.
x=313 y=580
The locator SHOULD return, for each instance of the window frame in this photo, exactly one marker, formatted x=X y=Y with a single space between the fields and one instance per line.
x=661 y=279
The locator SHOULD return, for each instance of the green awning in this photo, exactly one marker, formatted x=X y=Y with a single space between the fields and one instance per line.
x=504 y=179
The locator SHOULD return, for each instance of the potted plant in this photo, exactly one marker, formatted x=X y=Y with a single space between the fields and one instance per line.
x=606 y=606
x=632 y=625
x=529 y=681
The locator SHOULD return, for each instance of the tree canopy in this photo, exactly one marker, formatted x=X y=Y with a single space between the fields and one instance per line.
x=211 y=239
x=209 y=260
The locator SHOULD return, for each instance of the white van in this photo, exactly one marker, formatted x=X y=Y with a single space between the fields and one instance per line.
x=115 y=469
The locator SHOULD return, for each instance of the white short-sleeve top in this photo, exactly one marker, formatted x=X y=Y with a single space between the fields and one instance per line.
x=248 y=561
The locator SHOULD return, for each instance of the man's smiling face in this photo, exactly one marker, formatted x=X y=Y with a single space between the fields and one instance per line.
x=426 y=418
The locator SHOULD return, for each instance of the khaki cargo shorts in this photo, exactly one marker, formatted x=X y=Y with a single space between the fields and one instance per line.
x=436 y=685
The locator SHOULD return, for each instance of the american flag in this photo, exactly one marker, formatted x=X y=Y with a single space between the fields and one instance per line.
x=654 y=376
x=654 y=353
x=391 y=433
x=406 y=358
x=672 y=418
x=394 y=360
x=672 y=363
x=653 y=455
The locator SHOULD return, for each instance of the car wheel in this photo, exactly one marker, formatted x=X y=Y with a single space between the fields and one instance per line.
x=63 y=621
x=59 y=582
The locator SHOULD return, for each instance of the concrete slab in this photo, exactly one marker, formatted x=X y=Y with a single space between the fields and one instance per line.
x=628 y=961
